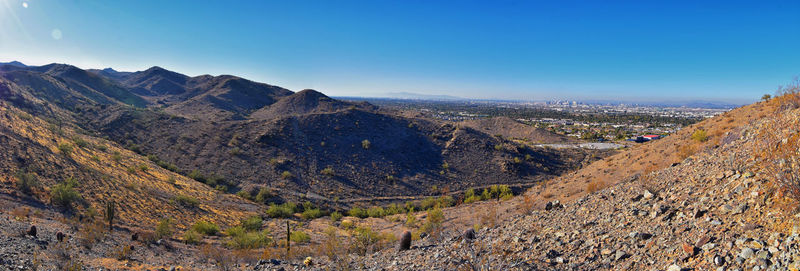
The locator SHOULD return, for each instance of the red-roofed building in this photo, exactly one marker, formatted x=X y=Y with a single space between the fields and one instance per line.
x=652 y=137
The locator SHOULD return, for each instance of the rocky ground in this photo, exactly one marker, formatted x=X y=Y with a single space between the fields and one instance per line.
x=709 y=212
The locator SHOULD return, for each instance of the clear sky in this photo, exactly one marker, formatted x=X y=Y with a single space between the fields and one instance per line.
x=727 y=50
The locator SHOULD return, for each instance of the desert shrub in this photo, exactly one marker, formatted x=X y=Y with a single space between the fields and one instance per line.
x=116 y=156
x=90 y=233
x=434 y=221
x=394 y=209
x=411 y=219
x=327 y=171
x=205 y=228
x=498 y=147
x=445 y=201
x=286 y=175
x=299 y=237
x=243 y=239
x=122 y=252
x=252 y=223
x=486 y=195
x=264 y=194
x=187 y=201
x=192 y=237
x=80 y=142
x=470 y=197
x=311 y=213
x=358 y=212
x=26 y=182
x=64 y=194
x=365 y=144
x=221 y=188
x=235 y=151
x=376 y=211
x=102 y=148
x=365 y=240
x=65 y=148
x=347 y=224
x=281 y=211
x=700 y=135
x=144 y=168
x=427 y=203
x=164 y=229
x=335 y=216
x=245 y=195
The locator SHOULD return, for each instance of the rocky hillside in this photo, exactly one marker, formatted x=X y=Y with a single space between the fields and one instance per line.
x=512 y=129
x=248 y=135
x=721 y=208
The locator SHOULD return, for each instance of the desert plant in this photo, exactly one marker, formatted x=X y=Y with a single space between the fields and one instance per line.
x=311 y=213
x=335 y=216
x=365 y=144
x=242 y=239
x=299 y=237
x=433 y=224
x=766 y=97
x=470 y=197
x=263 y=195
x=26 y=182
x=281 y=211
x=64 y=194
x=164 y=229
x=700 y=135
x=286 y=175
x=65 y=148
x=327 y=171
x=110 y=213
x=192 y=237
x=252 y=223
x=205 y=228
x=80 y=142
x=187 y=201
x=358 y=212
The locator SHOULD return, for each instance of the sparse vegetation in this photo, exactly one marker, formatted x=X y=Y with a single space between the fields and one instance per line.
x=366 y=144
x=700 y=135
x=286 y=175
x=281 y=211
x=335 y=216
x=248 y=239
x=300 y=237
x=164 y=229
x=206 y=228
x=328 y=171
x=252 y=223
x=65 y=148
x=192 y=237
x=26 y=182
x=110 y=214
x=358 y=212
x=64 y=194
x=264 y=194
x=187 y=201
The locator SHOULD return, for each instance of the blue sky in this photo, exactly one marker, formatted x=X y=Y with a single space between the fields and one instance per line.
x=635 y=50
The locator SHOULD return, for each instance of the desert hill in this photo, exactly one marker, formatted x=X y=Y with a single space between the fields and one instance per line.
x=513 y=129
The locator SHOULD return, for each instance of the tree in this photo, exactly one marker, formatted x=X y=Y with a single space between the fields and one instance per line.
x=766 y=97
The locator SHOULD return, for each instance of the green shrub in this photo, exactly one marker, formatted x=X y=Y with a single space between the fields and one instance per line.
x=411 y=219
x=286 y=175
x=143 y=167
x=327 y=171
x=116 y=156
x=365 y=240
x=700 y=135
x=26 y=182
x=63 y=194
x=347 y=224
x=252 y=223
x=281 y=211
x=428 y=203
x=335 y=216
x=205 y=228
x=365 y=144
x=187 y=201
x=445 y=201
x=434 y=222
x=358 y=212
x=299 y=237
x=394 y=209
x=470 y=197
x=244 y=194
x=311 y=213
x=65 y=148
x=376 y=211
x=242 y=239
x=192 y=237
x=164 y=229
x=80 y=142
x=221 y=188
x=263 y=195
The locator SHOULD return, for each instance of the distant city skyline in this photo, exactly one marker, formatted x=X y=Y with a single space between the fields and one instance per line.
x=521 y=50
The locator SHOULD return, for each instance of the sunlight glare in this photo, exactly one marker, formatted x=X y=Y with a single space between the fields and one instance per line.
x=25 y=4
x=56 y=34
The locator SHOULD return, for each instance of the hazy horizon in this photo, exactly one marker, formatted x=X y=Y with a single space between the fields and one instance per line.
x=730 y=52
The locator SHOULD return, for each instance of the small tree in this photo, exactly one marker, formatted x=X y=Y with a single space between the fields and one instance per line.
x=766 y=97
x=110 y=214
x=365 y=144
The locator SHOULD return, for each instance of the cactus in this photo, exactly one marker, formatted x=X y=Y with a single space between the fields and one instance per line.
x=110 y=212
x=405 y=241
